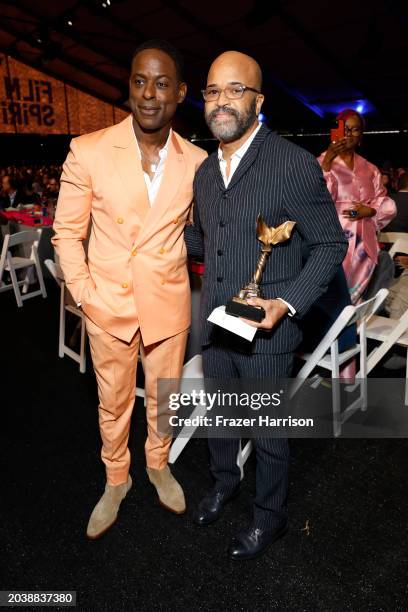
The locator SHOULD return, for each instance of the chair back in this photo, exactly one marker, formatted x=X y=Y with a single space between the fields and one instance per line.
x=400 y=246
x=391 y=236
x=23 y=237
x=349 y=315
x=55 y=270
x=365 y=310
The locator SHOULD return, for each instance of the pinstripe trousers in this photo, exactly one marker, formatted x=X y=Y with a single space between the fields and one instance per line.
x=226 y=358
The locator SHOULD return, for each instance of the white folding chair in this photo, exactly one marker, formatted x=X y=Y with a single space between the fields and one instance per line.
x=359 y=314
x=399 y=246
x=389 y=332
x=12 y=264
x=391 y=236
x=192 y=369
x=67 y=304
x=327 y=356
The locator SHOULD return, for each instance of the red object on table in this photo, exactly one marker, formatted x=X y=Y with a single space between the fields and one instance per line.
x=197 y=267
x=26 y=218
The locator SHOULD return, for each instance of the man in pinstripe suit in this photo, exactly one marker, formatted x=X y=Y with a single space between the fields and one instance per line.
x=255 y=171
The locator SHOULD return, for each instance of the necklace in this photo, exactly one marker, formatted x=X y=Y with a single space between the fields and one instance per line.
x=152 y=161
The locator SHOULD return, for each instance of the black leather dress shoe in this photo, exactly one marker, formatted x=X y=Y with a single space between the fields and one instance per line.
x=211 y=506
x=254 y=541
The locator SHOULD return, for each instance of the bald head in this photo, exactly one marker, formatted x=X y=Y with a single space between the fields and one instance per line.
x=233 y=98
x=237 y=68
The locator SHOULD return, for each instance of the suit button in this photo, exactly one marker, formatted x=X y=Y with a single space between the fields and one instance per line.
x=134 y=252
x=224 y=196
x=220 y=252
x=125 y=285
x=119 y=220
x=219 y=279
x=222 y=224
x=162 y=251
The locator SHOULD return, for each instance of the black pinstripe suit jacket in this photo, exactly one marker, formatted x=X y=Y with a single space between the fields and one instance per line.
x=283 y=182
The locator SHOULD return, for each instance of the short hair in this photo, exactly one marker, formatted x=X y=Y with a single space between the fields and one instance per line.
x=403 y=181
x=350 y=112
x=13 y=180
x=167 y=48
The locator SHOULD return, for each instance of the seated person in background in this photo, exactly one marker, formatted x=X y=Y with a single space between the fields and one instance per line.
x=400 y=222
x=37 y=184
x=397 y=300
x=386 y=181
x=30 y=195
x=395 y=305
x=52 y=188
x=11 y=194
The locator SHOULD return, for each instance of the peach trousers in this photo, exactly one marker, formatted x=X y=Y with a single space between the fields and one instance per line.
x=115 y=364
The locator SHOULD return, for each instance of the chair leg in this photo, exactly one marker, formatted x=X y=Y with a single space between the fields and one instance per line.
x=336 y=400
x=26 y=282
x=240 y=462
x=82 y=364
x=40 y=275
x=363 y=365
x=15 y=286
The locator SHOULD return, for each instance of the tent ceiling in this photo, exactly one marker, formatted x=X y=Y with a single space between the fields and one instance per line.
x=314 y=63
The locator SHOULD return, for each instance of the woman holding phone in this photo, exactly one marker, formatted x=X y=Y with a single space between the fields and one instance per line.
x=360 y=198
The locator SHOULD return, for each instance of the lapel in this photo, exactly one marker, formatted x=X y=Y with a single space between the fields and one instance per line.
x=173 y=176
x=248 y=159
x=129 y=167
x=217 y=171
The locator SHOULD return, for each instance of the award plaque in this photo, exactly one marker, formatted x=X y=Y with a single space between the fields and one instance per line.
x=268 y=236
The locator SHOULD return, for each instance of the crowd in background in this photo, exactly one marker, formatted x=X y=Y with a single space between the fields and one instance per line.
x=37 y=180
x=391 y=177
x=386 y=191
x=28 y=185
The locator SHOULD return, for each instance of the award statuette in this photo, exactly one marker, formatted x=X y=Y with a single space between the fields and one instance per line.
x=269 y=236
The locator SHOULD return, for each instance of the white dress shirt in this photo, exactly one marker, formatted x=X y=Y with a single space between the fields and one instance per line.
x=234 y=162
x=235 y=157
x=12 y=197
x=153 y=184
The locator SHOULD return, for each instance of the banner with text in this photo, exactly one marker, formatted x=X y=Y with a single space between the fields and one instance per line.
x=33 y=103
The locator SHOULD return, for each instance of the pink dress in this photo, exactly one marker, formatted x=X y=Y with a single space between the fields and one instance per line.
x=361 y=184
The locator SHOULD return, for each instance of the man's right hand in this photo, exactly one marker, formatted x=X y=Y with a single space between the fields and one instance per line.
x=333 y=150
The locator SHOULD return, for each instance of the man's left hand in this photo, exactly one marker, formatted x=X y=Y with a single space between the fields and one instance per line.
x=275 y=310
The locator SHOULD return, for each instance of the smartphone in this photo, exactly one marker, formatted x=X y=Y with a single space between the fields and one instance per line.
x=338 y=133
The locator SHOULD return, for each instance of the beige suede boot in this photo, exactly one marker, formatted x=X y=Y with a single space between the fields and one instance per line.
x=106 y=510
x=171 y=494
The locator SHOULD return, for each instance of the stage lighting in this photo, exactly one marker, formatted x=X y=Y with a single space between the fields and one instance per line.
x=361 y=105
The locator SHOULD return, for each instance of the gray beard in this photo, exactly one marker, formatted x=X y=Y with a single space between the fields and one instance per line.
x=233 y=130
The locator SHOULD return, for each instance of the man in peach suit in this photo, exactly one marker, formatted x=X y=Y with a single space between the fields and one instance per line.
x=134 y=183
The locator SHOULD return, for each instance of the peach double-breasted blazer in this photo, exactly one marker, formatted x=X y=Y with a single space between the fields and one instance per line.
x=135 y=274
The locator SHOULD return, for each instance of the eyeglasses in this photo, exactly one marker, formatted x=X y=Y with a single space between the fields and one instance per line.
x=354 y=131
x=233 y=92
